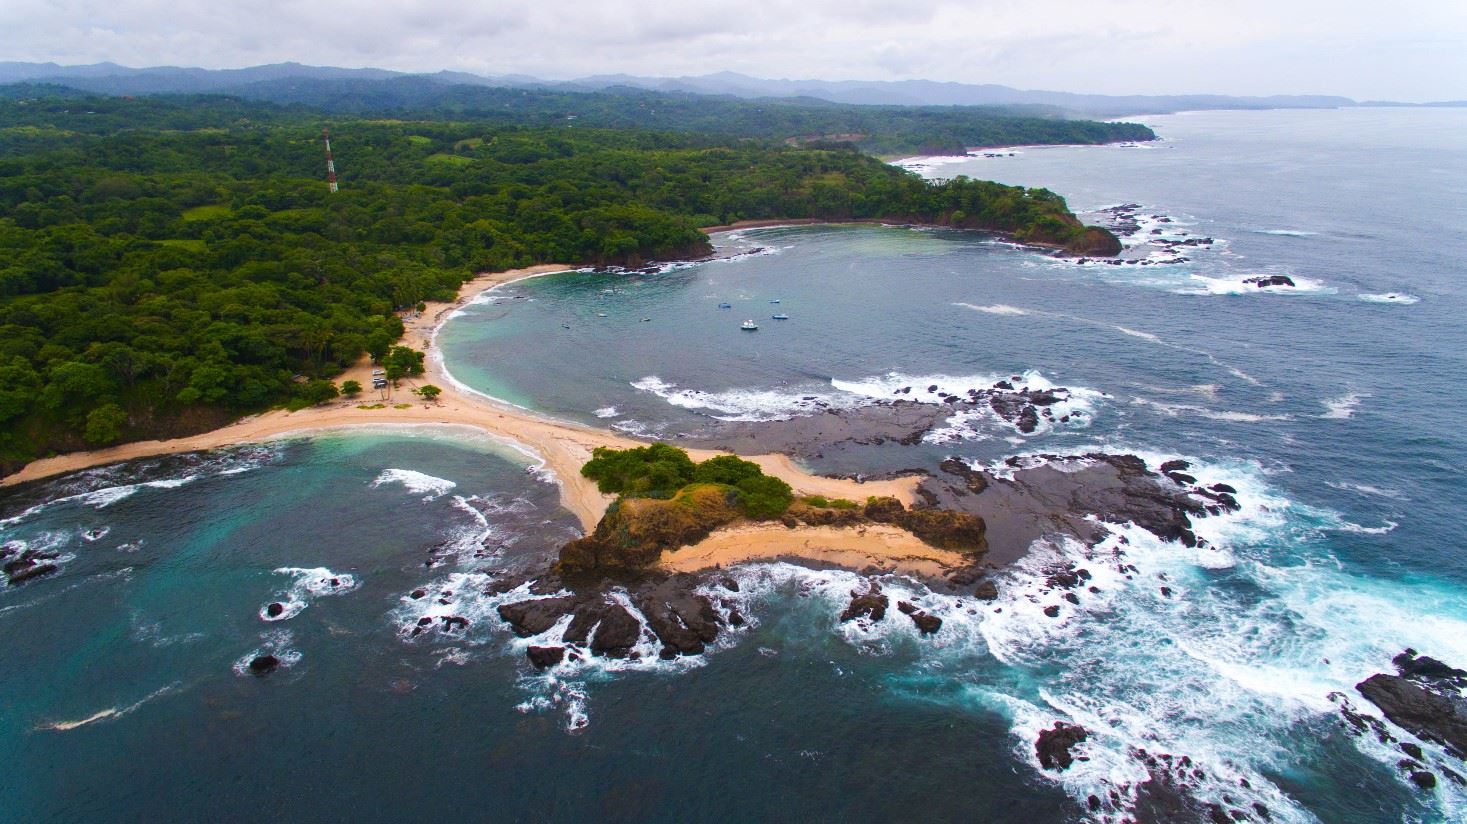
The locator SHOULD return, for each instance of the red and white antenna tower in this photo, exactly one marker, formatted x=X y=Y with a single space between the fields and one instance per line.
x=330 y=164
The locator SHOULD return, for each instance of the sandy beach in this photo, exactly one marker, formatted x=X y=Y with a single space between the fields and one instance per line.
x=880 y=545
x=563 y=447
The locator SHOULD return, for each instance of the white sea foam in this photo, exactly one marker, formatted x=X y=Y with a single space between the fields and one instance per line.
x=465 y=595
x=1343 y=407
x=1390 y=297
x=1238 y=285
x=746 y=404
x=275 y=642
x=309 y=584
x=1367 y=490
x=1232 y=416
x=1285 y=232
x=606 y=412
x=995 y=309
x=1078 y=404
x=415 y=482
x=111 y=713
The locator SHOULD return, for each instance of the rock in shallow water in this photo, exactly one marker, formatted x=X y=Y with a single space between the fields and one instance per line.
x=1054 y=744
x=870 y=604
x=264 y=665
x=1425 y=699
x=926 y=622
x=545 y=657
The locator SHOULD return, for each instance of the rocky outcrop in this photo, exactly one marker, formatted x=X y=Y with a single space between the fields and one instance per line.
x=942 y=528
x=545 y=657
x=634 y=532
x=926 y=622
x=1053 y=745
x=1425 y=698
x=1094 y=242
x=529 y=618
x=29 y=565
x=683 y=619
x=1265 y=281
x=869 y=604
x=263 y=664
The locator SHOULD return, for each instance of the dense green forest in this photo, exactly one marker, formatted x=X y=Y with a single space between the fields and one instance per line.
x=158 y=275
x=881 y=130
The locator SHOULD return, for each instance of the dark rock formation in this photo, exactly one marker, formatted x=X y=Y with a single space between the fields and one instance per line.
x=1094 y=242
x=926 y=622
x=1270 y=280
x=942 y=528
x=1423 y=712
x=263 y=665
x=275 y=609
x=28 y=571
x=1053 y=746
x=545 y=657
x=870 y=604
x=634 y=532
x=986 y=590
x=617 y=633
x=534 y=617
x=975 y=480
x=29 y=564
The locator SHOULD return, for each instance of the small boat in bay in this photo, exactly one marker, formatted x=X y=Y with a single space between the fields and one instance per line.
x=781 y=316
x=725 y=306
x=749 y=326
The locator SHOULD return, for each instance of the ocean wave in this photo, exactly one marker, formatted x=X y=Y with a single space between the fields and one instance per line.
x=746 y=404
x=415 y=482
x=461 y=608
x=1221 y=653
x=1231 y=416
x=309 y=584
x=1390 y=297
x=1343 y=407
x=111 y=713
x=995 y=309
x=275 y=642
x=1239 y=285
x=98 y=487
x=1076 y=407
x=606 y=412
x=1286 y=232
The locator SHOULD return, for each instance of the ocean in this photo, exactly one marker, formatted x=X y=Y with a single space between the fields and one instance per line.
x=1333 y=407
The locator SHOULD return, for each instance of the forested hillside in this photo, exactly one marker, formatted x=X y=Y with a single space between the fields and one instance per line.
x=166 y=266
x=881 y=130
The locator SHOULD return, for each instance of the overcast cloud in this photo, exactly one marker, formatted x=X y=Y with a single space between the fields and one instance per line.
x=1367 y=50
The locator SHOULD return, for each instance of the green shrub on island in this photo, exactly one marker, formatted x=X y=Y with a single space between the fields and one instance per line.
x=351 y=388
x=822 y=502
x=428 y=392
x=726 y=469
x=664 y=471
x=655 y=471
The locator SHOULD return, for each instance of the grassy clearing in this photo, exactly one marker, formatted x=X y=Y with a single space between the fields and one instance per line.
x=209 y=212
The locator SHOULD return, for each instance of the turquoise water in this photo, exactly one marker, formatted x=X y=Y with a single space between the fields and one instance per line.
x=1335 y=409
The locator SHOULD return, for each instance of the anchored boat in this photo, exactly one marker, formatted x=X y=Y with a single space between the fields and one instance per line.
x=749 y=326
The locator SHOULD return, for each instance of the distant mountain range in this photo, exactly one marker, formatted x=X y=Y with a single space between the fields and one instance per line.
x=262 y=81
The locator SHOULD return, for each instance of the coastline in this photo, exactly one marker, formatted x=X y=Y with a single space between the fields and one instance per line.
x=562 y=446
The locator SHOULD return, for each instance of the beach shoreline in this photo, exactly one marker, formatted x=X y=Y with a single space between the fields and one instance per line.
x=560 y=446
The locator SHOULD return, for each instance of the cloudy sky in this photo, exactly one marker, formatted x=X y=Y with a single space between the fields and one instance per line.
x=1408 y=50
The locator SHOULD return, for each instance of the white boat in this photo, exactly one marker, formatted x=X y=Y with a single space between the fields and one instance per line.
x=749 y=326
x=780 y=316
